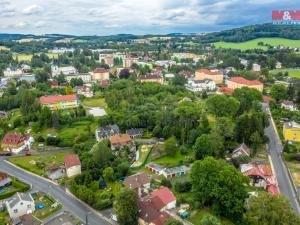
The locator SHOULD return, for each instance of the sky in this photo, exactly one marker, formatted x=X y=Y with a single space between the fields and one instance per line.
x=105 y=17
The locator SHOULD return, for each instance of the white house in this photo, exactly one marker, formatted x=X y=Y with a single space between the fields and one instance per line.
x=12 y=72
x=256 y=67
x=67 y=70
x=85 y=77
x=200 y=85
x=242 y=150
x=20 y=204
x=288 y=105
x=72 y=165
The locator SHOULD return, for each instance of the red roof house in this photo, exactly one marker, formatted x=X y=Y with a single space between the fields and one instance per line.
x=166 y=196
x=56 y=99
x=72 y=165
x=225 y=90
x=100 y=70
x=239 y=82
x=12 y=140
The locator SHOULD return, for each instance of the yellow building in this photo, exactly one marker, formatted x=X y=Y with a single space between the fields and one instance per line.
x=291 y=131
x=239 y=82
x=215 y=75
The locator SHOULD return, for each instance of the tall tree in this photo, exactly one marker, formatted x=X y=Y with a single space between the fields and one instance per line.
x=126 y=207
x=279 y=92
x=170 y=146
x=222 y=105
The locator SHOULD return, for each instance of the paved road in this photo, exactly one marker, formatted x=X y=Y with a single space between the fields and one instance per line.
x=69 y=203
x=275 y=150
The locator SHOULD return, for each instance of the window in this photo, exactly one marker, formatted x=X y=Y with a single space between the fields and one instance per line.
x=29 y=206
x=15 y=210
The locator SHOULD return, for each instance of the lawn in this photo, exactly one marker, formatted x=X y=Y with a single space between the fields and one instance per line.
x=294 y=167
x=16 y=186
x=94 y=102
x=144 y=151
x=48 y=203
x=295 y=73
x=253 y=44
x=37 y=163
x=170 y=161
x=28 y=57
x=4 y=218
x=196 y=217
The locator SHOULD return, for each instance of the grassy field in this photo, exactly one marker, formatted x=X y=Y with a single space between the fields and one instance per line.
x=196 y=217
x=28 y=57
x=253 y=44
x=292 y=73
x=294 y=167
x=94 y=102
x=36 y=164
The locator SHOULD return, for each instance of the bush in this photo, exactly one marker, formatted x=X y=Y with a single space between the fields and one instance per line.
x=165 y=182
x=183 y=186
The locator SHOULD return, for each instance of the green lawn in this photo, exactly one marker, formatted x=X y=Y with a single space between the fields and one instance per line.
x=170 y=161
x=292 y=73
x=94 y=102
x=144 y=151
x=4 y=218
x=28 y=57
x=36 y=164
x=253 y=44
x=196 y=217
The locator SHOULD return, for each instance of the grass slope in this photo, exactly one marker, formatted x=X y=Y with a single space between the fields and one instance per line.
x=253 y=44
x=292 y=73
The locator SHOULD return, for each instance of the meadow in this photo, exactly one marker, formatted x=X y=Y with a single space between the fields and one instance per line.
x=294 y=73
x=253 y=44
x=28 y=57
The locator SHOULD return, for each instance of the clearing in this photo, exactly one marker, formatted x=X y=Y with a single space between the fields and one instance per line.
x=253 y=44
x=294 y=73
x=94 y=102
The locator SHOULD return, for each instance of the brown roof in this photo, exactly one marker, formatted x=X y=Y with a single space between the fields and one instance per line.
x=210 y=72
x=120 y=139
x=100 y=70
x=14 y=139
x=137 y=180
x=149 y=77
x=71 y=160
x=242 y=80
x=59 y=98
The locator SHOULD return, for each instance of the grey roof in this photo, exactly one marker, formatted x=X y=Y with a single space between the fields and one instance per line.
x=155 y=166
x=5 y=182
x=134 y=131
x=19 y=197
x=205 y=81
x=104 y=132
x=176 y=170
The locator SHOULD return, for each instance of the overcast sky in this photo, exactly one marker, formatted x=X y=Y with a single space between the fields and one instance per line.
x=102 y=17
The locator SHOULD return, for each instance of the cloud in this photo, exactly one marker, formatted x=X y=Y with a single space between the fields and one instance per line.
x=32 y=9
x=20 y=25
x=101 y=17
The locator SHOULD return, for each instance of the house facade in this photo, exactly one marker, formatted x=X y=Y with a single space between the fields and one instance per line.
x=60 y=102
x=67 y=70
x=20 y=204
x=216 y=75
x=106 y=132
x=291 y=131
x=239 y=82
x=84 y=90
x=12 y=72
x=200 y=85
x=100 y=74
x=16 y=143
x=85 y=77
x=119 y=141
x=72 y=165
x=151 y=78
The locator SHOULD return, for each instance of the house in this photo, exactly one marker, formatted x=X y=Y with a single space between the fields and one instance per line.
x=85 y=77
x=72 y=165
x=155 y=168
x=25 y=68
x=216 y=75
x=135 y=132
x=85 y=90
x=100 y=74
x=16 y=143
x=239 y=82
x=20 y=204
x=12 y=72
x=200 y=85
x=242 y=150
x=167 y=172
x=118 y=141
x=67 y=70
x=288 y=105
x=106 y=132
x=55 y=172
x=256 y=67
x=166 y=196
x=244 y=62
x=225 y=90
x=139 y=182
x=291 y=131
x=29 y=78
x=151 y=78
x=192 y=56
x=56 y=102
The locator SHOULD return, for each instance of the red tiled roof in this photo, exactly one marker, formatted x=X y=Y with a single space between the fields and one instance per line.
x=185 y=73
x=59 y=98
x=266 y=99
x=71 y=160
x=271 y=188
x=210 y=72
x=13 y=139
x=259 y=170
x=149 y=77
x=225 y=90
x=100 y=70
x=164 y=194
x=121 y=139
x=242 y=80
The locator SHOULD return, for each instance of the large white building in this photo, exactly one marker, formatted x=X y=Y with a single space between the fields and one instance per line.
x=12 y=72
x=20 y=204
x=200 y=85
x=67 y=70
x=85 y=77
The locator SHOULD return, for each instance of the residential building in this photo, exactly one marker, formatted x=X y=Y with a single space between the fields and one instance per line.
x=242 y=150
x=20 y=204
x=100 y=74
x=166 y=196
x=256 y=67
x=139 y=182
x=85 y=90
x=119 y=141
x=12 y=72
x=151 y=78
x=200 y=85
x=244 y=62
x=25 y=68
x=225 y=90
x=29 y=78
x=186 y=73
x=155 y=168
x=16 y=143
x=56 y=102
x=66 y=70
x=135 y=132
x=167 y=172
x=288 y=105
x=291 y=131
x=85 y=77
x=61 y=50
x=55 y=172
x=106 y=132
x=278 y=65
x=216 y=75
x=165 y=63
x=239 y=82
x=72 y=165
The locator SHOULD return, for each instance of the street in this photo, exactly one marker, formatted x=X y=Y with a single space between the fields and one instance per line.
x=69 y=203
x=275 y=150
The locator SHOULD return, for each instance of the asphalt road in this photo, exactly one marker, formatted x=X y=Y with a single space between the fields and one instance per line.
x=68 y=202
x=275 y=150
